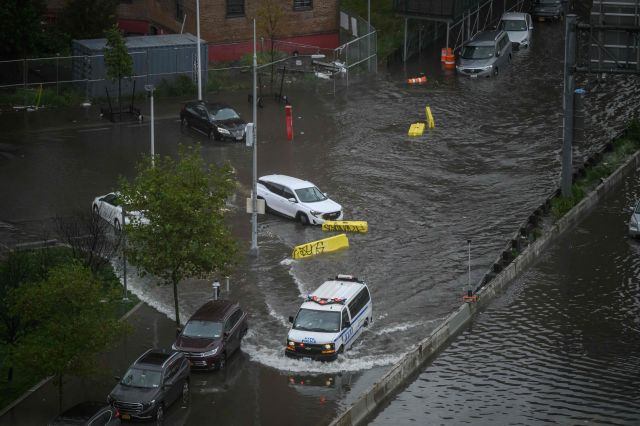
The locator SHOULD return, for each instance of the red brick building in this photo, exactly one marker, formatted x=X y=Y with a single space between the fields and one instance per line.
x=227 y=25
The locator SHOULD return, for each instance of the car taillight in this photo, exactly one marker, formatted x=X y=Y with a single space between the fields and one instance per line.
x=116 y=414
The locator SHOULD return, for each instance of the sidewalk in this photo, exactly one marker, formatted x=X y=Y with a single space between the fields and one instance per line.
x=149 y=329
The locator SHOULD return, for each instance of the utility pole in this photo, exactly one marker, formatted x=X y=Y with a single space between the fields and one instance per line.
x=198 y=47
x=254 y=192
x=569 y=88
x=123 y=241
x=149 y=88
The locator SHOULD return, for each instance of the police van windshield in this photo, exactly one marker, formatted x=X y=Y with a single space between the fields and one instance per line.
x=321 y=321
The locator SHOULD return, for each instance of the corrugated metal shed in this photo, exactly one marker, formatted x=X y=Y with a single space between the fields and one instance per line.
x=155 y=58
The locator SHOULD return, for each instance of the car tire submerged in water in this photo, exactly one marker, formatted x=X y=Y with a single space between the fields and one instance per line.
x=304 y=220
x=184 y=122
x=185 y=393
x=116 y=225
x=496 y=71
x=95 y=210
x=160 y=414
x=223 y=361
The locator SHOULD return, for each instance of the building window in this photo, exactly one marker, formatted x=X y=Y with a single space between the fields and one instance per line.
x=235 y=8
x=302 y=4
x=179 y=9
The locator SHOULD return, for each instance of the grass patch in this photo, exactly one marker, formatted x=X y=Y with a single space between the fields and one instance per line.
x=621 y=149
x=49 y=97
x=34 y=266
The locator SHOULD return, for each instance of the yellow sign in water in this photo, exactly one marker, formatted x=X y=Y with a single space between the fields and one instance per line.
x=325 y=245
x=416 y=129
x=346 y=226
x=430 y=121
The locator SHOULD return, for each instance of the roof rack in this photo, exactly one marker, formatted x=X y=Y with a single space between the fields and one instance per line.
x=325 y=301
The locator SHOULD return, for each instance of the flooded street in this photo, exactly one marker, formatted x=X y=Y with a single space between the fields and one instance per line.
x=492 y=158
x=560 y=346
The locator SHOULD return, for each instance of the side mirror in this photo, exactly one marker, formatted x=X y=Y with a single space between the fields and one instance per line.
x=290 y=319
x=293 y=200
x=347 y=324
x=497 y=54
x=116 y=378
x=225 y=335
x=178 y=331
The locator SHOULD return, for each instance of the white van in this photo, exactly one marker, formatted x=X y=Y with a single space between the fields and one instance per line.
x=330 y=320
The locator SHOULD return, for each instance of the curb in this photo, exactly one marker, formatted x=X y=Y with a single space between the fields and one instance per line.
x=43 y=382
x=366 y=404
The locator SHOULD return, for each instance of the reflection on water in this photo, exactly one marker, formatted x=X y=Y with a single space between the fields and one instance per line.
x=561 y=346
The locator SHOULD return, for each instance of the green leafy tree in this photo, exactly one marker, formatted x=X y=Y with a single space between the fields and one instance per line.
x=21 y=30
x=82 y=19
x=69 y=321
x=184 y=201
x=117 y=60
x=269 y=20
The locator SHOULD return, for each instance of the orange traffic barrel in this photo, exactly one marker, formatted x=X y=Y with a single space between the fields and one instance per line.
x=450 y=61
x=444 y=52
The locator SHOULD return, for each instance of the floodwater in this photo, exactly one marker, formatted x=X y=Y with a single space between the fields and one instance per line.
x=560 y=346
x=492 y=158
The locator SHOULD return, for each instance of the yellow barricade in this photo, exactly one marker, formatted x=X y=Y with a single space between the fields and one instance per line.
x=416 y=129
x=325 y=245
x=346 y=226
x=430 y=121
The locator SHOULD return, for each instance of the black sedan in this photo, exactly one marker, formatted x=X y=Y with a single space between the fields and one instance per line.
x=216 y=120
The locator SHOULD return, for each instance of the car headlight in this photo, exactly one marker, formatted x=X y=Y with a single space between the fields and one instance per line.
x=211 y=352
x=149 y=404
x=488 y=67
x=223 y=131
x=329 y=346
x=315 y=213
x=290 y=343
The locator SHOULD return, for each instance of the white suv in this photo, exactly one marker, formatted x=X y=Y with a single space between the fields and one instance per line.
x=298 y=199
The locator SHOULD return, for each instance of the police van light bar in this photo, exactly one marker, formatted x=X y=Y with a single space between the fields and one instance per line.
x=345 y=277
x=322 y=301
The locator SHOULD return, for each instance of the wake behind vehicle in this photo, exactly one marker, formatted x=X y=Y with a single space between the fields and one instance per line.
x=154 y=381
x=216 y=120
x=297 y=199
x=88 y=413
x=330 y=320
x=485 y=55
x=519 y=28
x=212 y=334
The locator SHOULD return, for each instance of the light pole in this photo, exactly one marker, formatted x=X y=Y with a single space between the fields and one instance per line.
x=149 y=88
x=198 y=47
x=254 y=192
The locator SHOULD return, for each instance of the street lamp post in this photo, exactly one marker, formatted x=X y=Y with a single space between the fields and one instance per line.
x=149 y=88
x=198 y=48
x=254 y=192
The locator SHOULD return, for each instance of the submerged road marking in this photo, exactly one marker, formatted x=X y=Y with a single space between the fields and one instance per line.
x=93 y=130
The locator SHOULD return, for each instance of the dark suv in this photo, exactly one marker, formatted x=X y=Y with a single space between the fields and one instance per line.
x=216 y=120
x=549 y=9
x=212 y=334
x=153 y=382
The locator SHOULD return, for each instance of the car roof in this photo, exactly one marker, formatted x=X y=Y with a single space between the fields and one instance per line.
x=485 y=38
x=214 y=310
x=516 y=16
x=334 y=288
x=211 y=105
x=291 y=182
x=155 y=358
x=83 y=411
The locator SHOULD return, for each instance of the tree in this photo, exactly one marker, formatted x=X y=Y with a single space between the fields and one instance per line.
x=269 y=20
x=87 y=235
x=117 y=60
x=69 y=323
x=88 y=18
x=21 y=28
x=184 y=202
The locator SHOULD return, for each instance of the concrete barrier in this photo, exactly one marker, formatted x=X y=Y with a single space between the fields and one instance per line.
x=363 y=407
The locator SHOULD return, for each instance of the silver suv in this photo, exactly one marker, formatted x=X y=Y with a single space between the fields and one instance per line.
x=485 y=55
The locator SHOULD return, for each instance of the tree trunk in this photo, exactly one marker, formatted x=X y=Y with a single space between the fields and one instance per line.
x=119 y=102
x=175 y=301
x=59 y=394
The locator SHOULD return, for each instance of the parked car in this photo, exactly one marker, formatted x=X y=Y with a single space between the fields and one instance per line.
x=212 y=334
x=519 y=28
x=109 y=208
x=216 y=120
x=88 y=413
x=485 y=55
x=548 y=9
x=634 y=221
x=330 y=320
x=298 y=199
x=154 y=381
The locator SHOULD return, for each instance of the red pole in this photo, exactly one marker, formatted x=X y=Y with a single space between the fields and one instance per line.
x=289 y=120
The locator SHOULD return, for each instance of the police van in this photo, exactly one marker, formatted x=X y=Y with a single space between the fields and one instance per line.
x=330 y=320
